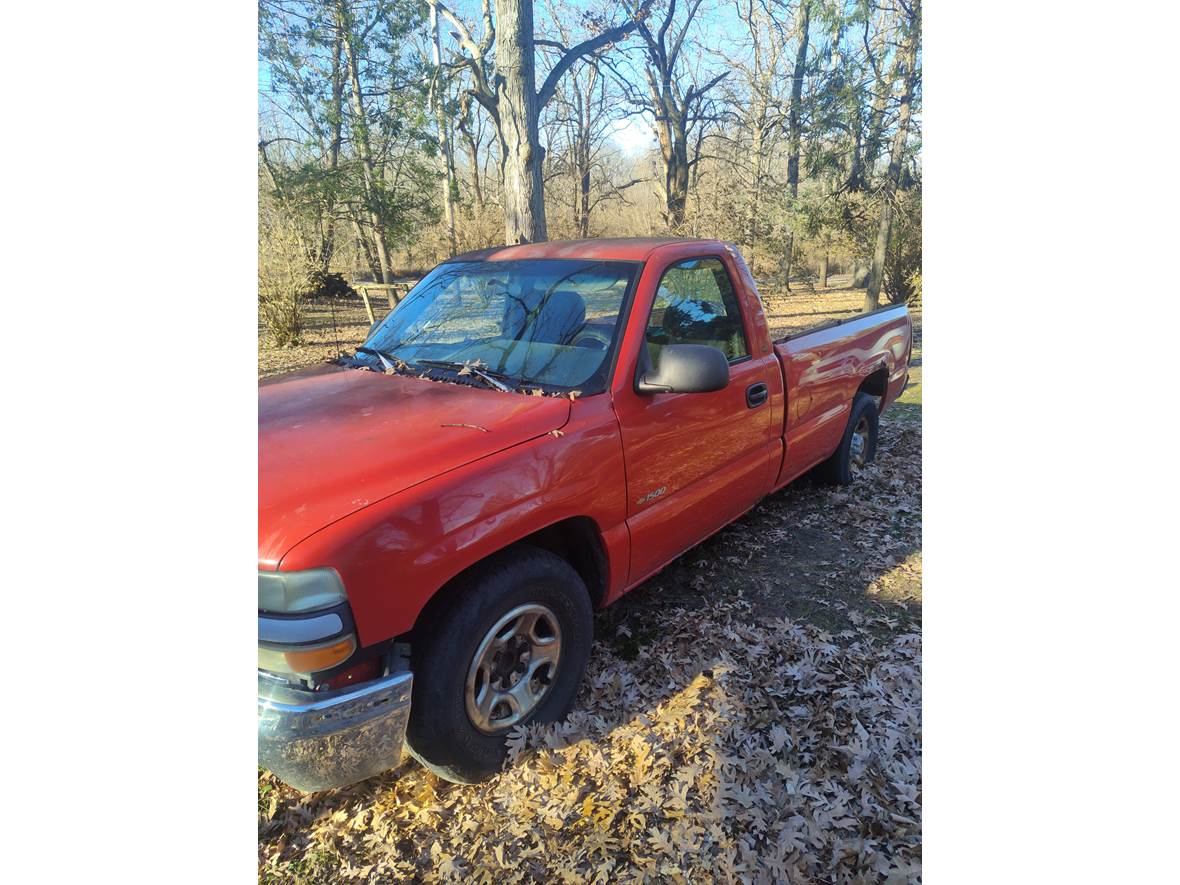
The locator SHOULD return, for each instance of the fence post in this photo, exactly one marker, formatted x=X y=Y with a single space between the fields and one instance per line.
x=368 y=306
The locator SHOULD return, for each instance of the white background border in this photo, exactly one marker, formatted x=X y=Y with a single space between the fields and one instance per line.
x=1050 y=439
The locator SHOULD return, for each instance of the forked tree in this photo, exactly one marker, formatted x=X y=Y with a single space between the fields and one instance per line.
x=678 y=112
x=758 y=105
x=507 y=89
x=580 y=120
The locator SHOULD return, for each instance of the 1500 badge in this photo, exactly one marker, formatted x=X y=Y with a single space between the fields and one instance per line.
x=651 y=496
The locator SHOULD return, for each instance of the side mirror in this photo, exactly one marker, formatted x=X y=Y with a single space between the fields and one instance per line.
x=686 y=368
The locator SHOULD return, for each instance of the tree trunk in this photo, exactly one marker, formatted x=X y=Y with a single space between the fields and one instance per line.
x=444 y=142
x=678 y=193
x=794 y=120
x=855 y=180
x=367 y=248
x=674 y=150
x=907 y=64
x=328 y=244
x=473 y=152
x=756 y=165
x=520 y=145
x=584 y=147
x=823 y=271
x=477 y=190
x=584 y=192
x=673 y=137
x=365 y=151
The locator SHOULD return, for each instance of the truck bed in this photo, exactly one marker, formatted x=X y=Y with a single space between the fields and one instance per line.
x=825 y=366
x=828 y=324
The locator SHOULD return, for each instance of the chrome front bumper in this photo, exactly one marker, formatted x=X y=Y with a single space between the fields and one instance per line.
x=318 y=740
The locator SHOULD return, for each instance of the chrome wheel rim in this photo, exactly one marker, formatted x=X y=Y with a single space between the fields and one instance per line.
x=859 y=444
x=513 y=668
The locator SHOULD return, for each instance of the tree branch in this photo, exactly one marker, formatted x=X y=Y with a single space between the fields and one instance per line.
x=586 y=47
x=696 y=93
x=475 y=60
x=680 y=39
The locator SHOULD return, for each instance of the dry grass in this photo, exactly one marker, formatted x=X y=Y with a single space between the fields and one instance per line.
x=753 y=713
x=330 y=326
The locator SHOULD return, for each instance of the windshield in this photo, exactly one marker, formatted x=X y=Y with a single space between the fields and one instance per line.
x=548 y=322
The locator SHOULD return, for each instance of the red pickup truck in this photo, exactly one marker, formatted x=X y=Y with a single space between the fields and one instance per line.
x=533 y=431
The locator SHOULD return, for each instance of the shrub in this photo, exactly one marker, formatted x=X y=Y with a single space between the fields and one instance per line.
x=286 y=275
x=903 y=260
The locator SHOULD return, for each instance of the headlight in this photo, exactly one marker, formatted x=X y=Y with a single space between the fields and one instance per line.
x=314 y=641
x=292 y=592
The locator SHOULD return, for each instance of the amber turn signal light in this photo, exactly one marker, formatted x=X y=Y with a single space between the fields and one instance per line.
x=313 y=660
x=306 y=660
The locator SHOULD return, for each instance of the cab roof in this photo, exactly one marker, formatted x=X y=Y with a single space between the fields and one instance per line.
x=605 y=249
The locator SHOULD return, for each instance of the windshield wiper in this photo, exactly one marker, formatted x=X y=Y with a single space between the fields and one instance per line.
x=388 y=360
x=485 y=375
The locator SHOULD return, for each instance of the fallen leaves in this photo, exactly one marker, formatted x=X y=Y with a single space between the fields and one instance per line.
x=400 y=367
x=727 y=749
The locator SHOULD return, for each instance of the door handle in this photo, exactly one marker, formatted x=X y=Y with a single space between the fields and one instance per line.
x=757 y=394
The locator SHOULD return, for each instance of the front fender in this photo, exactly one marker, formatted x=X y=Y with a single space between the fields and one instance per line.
x=395 y=554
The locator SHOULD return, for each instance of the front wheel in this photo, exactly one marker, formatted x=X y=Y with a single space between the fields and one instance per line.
x=858 y=446
x=509 y=647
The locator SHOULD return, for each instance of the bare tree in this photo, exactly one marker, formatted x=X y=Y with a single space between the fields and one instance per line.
x=582 y=116
x=580 y=111
x=471 y=131
x=769 y=135
x=676 y=111
x=514 y=102
x=908 y=73
x=758 y=107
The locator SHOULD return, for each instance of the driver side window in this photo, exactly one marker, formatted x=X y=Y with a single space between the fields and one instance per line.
x=695 y=304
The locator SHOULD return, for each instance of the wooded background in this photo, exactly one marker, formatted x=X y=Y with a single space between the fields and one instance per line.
x=396 y=133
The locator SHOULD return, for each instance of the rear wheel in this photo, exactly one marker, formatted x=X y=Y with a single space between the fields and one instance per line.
x=509 y=647
x=858 y=446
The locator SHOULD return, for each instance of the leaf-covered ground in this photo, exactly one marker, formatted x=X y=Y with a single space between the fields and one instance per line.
x=752 y=713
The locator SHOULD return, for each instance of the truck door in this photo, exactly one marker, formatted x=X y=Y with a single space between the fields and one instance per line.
x=694 y=461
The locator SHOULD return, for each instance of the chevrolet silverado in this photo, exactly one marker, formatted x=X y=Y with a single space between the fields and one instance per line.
x=531 y=433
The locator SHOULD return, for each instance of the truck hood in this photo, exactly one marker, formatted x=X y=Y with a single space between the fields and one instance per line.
x=333 y=440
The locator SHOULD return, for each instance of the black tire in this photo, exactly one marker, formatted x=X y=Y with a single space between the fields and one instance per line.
x=841 y=468
x=441 y=735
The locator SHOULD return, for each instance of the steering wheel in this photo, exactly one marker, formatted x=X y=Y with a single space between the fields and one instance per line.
x=592 y=339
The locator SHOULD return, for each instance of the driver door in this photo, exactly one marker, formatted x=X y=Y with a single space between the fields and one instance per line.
x=694 y=461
